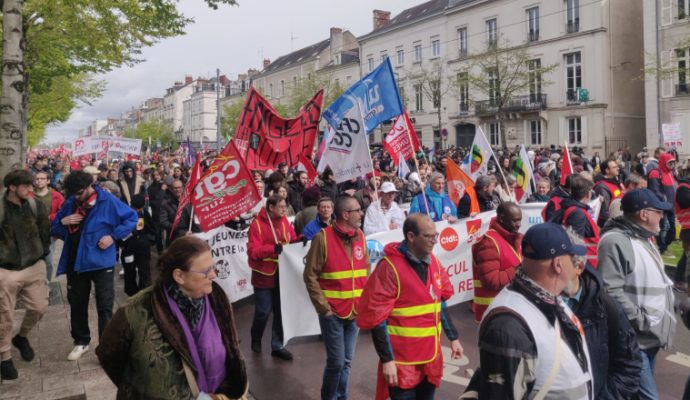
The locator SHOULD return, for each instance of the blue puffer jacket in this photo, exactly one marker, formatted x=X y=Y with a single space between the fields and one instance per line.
x=109 y=216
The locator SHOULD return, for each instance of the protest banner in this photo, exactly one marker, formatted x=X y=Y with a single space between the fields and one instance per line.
x=264 y=139
x=453 y=250
x=101 y=144
x=225 y=191
x=229 y=250
x=672 y=135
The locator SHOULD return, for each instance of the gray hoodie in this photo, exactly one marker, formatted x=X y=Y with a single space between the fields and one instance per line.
x=616 y=262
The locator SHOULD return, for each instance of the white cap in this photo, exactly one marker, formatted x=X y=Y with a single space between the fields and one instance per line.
x=388 y=187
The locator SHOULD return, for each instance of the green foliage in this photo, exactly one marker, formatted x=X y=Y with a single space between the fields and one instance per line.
x=159 y=132
x=230 y=117
x=67 y=41
x=307 y=87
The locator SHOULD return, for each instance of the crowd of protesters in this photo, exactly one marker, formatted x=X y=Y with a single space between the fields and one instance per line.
x=595 y=281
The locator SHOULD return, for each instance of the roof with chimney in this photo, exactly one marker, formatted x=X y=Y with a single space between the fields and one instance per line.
x=298 y=56
x=414 y=14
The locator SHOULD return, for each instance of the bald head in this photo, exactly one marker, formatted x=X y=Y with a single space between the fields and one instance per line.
x=420 y=235
x=509 y=216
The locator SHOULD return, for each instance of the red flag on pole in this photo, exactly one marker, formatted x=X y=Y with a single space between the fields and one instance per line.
x=186 y=195
x=225 y=191
x=567 y=168
x=402 y=138
x=305 y=165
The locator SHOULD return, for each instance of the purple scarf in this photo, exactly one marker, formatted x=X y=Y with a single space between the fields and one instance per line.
x=205 y=345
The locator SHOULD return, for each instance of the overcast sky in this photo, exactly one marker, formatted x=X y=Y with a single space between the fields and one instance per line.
x=233 y=39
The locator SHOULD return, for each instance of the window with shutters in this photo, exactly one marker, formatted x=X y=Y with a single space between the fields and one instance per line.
x=492 y=32
x=683 y=67
x=533 y=24
x=572 y=14
x=574 y=130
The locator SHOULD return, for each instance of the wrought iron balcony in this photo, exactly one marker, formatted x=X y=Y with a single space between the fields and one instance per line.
x=515 y=104
x=572 y=97
x=682 y=89
x=464 y=108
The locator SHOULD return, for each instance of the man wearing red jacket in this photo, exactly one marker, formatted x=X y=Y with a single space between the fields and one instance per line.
x=403 y=304
x=269 y=231
x=496 y=257
x=335 y=271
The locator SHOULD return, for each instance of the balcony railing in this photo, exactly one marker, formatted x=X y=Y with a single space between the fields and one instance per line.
x=515 y=104
x=573 y=26
x=572 y=97
x=464 y=108
x=683 y=89
x=533 y=36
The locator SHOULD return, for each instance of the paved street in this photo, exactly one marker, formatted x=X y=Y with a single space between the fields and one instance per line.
x=51 y=376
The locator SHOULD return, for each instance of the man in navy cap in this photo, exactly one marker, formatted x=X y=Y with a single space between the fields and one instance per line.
x=530 y=343
x=633 y=274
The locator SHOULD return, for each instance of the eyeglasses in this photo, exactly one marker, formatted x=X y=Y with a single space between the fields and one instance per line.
x=658 y=212
x=205 y=273
x=430 y=238
x=355 y=210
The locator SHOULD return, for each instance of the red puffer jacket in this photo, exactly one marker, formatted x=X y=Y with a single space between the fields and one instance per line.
x=263 y=259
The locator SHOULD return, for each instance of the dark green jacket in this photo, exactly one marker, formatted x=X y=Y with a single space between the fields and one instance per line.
x=143 y=346
x=24 y=236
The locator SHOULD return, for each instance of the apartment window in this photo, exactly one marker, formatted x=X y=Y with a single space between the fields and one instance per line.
x=573 y=76
x=683 y=9
x=418 y=52
x=574 y=130
x=435 y=48
x=294 y=82
x=418 y=97
x=282 y=88
x=370 y=62
x=270 y=90
x=535 y=80
x=495 y=134
x=492 y=32
x=464 y=89
x=494 y=94
x=572 y=16
x=533 y=24
x=384 y=55
x=683 y=60
x=535 y=132
x=401 y=56
x=435 y=86
x=462 y=42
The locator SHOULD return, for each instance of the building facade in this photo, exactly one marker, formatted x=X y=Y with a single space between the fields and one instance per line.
x=592 y=97
x=667 y=85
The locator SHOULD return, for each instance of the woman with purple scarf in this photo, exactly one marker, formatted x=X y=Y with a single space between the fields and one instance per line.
x=176 y=339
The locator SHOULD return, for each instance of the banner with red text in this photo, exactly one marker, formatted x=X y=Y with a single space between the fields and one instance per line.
x=402 y=139
x=225 y=191
x=265 y=139
x=453 y=250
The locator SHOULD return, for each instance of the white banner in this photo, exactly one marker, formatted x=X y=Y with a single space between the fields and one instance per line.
x=98 y=144
x=453 y=250
x=229 y=249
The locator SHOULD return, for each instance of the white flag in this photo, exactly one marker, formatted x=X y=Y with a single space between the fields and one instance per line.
x=347 y=150
x=477 y=162
x=403 y=168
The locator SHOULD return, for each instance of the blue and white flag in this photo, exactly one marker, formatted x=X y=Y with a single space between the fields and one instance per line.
x=378 y=97
x=403 y=168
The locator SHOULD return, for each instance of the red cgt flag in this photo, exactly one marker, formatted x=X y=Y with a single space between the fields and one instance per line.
x=567 y=168
x=186 y=195
x=225 y=191
x=265 y=139
x=402 y=138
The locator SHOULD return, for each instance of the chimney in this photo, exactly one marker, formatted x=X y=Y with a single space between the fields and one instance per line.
x=188 y=79
x=381 y=18
x=336 y=42
x=267 y=62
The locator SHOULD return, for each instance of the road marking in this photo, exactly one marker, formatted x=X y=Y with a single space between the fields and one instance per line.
x=450 y=367
x=679 y=358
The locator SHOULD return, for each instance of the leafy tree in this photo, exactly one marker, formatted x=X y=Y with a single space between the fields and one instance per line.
x=434 y=84
x=668 y=69
x=159 y=132
x=307 y=87
x=45 y=41
x=230 y=117
x=502 y=72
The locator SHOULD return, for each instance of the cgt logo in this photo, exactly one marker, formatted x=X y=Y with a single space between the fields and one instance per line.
x=473 y=228
x=449 y=239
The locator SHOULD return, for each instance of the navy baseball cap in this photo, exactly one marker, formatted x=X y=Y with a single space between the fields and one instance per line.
x=639 y=199
x=548 y=240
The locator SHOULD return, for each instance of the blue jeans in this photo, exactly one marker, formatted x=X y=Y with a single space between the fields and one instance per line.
x=647 y=383
x=423 y=391
x=265 y=301
x=340 y=338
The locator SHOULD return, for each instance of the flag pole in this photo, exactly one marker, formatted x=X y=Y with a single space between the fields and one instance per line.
x=373 y=170
x=191 y=220
x=416 y=164
x=570 y=163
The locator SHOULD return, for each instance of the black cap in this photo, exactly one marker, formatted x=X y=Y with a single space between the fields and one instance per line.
x=639 y=199
x=549 y=240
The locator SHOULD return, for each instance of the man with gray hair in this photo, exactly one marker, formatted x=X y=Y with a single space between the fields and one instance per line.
x=484 y=187
x=633 y=274
x=436 y=203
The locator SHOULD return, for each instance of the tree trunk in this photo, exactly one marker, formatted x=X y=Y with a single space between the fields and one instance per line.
x=12 y=111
